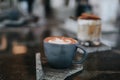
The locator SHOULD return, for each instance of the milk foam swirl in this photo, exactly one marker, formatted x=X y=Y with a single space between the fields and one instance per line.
x=60 y=40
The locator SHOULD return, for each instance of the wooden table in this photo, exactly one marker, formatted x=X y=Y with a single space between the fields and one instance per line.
x=103 y=65
x=98 y=66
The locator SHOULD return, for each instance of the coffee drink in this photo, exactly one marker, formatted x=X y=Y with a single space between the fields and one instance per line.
x=89 y=28
x=60 y=51
x=60 y=40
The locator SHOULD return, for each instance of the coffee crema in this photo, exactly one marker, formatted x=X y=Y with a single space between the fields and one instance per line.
x=87 y=16
x=60 y=40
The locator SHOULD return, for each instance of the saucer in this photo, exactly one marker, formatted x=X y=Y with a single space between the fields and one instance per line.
x=44 y=71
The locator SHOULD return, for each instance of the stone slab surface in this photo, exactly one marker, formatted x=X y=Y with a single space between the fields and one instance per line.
x=100 y=48
x=44 y=72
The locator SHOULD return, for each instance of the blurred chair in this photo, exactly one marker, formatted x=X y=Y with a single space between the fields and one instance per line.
x=3 y=45
x=18 y=48
x=83 y=7
x=62 y=9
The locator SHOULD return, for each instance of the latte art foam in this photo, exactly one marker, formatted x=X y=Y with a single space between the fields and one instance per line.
x=60 y=40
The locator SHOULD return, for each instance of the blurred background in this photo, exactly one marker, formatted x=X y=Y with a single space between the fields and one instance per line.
x=25 y=23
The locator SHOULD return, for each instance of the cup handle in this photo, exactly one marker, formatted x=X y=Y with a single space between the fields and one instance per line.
x=85 y=54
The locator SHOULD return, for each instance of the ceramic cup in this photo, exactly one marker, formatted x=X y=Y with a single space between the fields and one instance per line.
x=62 y=55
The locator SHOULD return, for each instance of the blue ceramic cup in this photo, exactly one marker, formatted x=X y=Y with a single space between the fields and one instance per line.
x=62 y=55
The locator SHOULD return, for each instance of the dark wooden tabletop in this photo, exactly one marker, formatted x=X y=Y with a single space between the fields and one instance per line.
x=103 y=65
x=19 y=67
x=98 y=66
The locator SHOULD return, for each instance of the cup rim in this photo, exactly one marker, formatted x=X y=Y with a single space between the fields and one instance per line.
x=61 y=44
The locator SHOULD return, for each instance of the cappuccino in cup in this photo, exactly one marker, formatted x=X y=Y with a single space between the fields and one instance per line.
x=60 y=51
